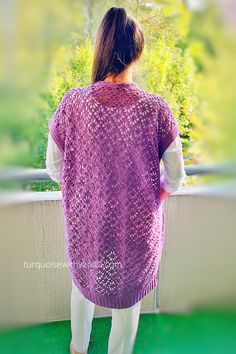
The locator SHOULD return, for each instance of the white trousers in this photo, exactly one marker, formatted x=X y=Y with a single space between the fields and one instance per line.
x=124 y=325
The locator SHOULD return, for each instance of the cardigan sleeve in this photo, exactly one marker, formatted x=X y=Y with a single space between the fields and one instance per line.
x=168 y=128
x=173 y=167
x=59 y=122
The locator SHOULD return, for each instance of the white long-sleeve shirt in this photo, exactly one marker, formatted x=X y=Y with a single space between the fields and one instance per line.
x=173 y=164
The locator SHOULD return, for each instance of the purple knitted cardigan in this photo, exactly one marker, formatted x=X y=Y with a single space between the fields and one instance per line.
x=113 y=136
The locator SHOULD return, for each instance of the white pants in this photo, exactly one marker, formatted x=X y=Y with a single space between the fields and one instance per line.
x=123 y=327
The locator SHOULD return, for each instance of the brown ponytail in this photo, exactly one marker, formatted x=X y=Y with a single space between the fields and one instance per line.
x=119 y=41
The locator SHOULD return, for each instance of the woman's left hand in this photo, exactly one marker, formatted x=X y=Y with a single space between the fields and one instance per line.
x=164 y=194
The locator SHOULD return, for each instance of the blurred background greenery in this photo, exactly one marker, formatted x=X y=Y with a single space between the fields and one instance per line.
x=190 y=52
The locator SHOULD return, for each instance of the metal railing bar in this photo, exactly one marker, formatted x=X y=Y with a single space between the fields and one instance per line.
x=28 y=175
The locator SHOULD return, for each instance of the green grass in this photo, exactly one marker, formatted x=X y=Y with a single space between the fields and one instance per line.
x=198 y=332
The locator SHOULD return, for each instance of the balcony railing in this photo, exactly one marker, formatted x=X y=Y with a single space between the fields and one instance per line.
x=28 y=175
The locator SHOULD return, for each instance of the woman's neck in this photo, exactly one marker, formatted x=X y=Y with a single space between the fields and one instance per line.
x=125 y=76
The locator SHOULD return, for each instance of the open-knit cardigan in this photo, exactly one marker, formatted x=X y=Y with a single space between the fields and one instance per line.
x=113 y=136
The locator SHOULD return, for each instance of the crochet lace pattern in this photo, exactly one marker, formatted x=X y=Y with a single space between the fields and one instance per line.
x=113 y=136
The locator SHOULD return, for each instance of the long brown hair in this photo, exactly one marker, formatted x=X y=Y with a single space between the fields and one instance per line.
x=119 y=42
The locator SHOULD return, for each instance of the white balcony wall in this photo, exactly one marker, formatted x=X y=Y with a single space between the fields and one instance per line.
x=197 y=265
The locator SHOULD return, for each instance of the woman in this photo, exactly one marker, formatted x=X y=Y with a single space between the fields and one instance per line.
x=105 y=143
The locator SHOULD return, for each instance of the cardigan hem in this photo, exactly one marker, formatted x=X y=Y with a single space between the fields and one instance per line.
x=112 y=301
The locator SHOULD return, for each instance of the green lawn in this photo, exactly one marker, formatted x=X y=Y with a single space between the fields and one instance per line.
x=198 y=332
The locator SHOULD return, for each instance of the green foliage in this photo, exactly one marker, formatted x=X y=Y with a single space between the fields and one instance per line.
x=167 y=68
x=170 y=72
x=213 y=47
x=185 y=61
x=72 y=67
